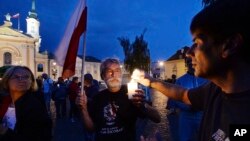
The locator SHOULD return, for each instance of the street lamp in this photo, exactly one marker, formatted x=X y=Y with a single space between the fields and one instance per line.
x=161 y=63
x=162 y=70
x=54 y=70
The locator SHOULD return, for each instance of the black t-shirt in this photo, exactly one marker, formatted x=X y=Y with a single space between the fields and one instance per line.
x=114 y=116
x=220 y=110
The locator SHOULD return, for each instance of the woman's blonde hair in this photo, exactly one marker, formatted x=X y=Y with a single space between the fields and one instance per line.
x=8 y=74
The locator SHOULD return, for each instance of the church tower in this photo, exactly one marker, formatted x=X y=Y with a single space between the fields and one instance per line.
x=33 y=25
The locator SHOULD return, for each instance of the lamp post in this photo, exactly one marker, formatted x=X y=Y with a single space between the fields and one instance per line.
x=162 y=70
x=54 y=70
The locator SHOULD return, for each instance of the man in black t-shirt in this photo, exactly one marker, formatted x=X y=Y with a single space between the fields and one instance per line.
x=111 y=114
x=221 y=35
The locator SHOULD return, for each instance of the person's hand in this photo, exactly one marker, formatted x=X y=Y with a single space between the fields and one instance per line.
x=3 y=129
x=138 y=98
x=141 y=77
x=81 y=101
x=148 y=139
x=155 y=137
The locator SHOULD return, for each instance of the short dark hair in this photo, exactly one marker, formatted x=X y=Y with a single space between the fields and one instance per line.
x=75 y=78
x=224 y=19
x=88 y=76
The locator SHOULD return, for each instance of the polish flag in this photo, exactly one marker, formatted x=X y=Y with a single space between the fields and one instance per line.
x=66 y=52
x=16 y=15
x=5 y=101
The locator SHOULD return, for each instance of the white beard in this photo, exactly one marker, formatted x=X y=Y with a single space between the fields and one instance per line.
x=114 y=82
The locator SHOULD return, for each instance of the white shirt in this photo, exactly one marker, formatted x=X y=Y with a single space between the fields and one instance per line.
x=9 y=119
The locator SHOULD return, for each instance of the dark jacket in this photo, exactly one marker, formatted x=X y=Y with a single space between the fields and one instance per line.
x=60 y=91
x=32 y=120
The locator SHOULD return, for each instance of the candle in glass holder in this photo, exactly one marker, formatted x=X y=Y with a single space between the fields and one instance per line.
x=132 y=86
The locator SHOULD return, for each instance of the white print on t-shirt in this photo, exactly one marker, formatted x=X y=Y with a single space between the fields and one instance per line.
x=109 y=113
x=9 y=119
x=111 y=130
x=220 y=135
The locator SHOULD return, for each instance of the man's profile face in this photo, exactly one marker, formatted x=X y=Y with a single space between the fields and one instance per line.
x=113 y=75
x=204 y=55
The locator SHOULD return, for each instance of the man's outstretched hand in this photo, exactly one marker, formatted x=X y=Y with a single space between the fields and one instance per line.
x=141 y=77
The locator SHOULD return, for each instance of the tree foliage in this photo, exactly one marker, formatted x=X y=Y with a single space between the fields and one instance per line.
x=208 y=2
x=137 y=54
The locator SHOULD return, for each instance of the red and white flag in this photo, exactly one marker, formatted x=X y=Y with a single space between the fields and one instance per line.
x=16 y=15
x=66 y=52
x=5 y=102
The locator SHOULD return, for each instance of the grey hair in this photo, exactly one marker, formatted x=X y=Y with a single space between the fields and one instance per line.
x=106 y=62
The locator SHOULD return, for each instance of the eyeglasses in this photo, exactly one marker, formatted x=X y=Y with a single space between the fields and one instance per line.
x=17 y=77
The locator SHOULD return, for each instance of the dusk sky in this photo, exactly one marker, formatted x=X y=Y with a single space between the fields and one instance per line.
x=167 y=23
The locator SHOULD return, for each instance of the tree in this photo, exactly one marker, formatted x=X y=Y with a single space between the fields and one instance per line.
x=3 y=69
x=208 y=2
x=137 y=54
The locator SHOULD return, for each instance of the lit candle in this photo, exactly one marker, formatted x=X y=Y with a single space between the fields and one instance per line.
x=132 y=86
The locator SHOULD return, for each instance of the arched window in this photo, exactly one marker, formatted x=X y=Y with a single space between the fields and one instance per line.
x=40 y=67
x=7 y=58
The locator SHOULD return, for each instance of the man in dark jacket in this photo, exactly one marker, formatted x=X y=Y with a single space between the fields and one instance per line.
x=60 y=93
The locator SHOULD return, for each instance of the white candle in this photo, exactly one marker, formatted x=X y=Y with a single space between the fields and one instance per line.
x=132 y=86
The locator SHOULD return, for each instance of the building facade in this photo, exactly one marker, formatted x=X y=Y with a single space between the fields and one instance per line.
x=18 y=48
x=174 y=65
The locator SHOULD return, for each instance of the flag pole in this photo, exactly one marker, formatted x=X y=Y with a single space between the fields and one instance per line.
x=18 y=23
x=83 y=61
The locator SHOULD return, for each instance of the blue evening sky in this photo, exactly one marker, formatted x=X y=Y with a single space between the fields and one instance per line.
x=167 y=23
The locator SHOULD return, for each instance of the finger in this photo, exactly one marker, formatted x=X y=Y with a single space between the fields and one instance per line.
x=142 y=138
x=139 y=98
x=139 y=95
x=139 y=91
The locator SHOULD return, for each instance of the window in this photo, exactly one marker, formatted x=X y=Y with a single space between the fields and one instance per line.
x=7 y=58
x=174 y=69
x=40 y=67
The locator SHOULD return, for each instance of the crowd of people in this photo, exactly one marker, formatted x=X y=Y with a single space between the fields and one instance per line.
x=25 y=103
x=207 y=109
x=37 y=95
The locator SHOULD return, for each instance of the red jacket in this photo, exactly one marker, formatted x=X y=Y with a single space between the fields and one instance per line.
x=73 y=91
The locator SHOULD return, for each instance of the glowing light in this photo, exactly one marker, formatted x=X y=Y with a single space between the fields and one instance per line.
x=132 y=86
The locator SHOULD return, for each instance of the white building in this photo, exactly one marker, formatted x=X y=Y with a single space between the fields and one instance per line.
x=18 y=48
x=176 y=64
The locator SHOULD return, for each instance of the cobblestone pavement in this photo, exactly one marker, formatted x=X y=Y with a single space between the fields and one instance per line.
x=65 y=130
x=159 y=102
